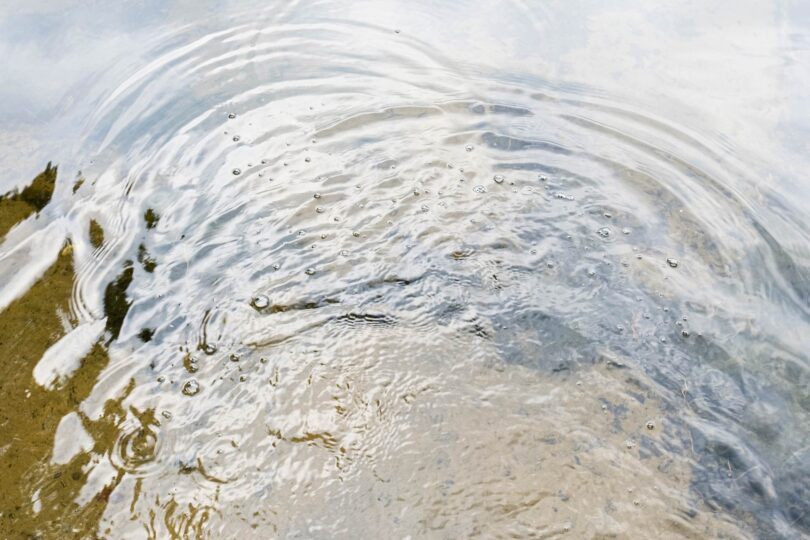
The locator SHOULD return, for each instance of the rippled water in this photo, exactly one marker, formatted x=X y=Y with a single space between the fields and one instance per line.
x=405 y=269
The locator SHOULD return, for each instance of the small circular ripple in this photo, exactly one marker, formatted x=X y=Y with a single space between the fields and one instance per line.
x=136 y=449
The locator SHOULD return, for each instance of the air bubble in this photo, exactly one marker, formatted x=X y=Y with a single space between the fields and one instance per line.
x=231 y=115
x=651 y=425
x=260 y=301
x=672 y=262
x=498 y=178
x=468 y=148
x=237 y=172
x=236 y=138
x=309 y=271
x=319 y=209
x=317 y=196
x=307 y=159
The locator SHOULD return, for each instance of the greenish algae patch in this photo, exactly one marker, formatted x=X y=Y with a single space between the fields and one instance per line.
x=116 y=303
x=146 y=334
x=16 y=206
x=149 y=264
x=151 y=218
x=96 y=234
x=37 y=499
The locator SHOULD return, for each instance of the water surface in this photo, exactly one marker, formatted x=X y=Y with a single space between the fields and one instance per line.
x=386 y=269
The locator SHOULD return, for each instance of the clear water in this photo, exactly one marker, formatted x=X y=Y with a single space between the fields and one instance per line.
x=378 y=269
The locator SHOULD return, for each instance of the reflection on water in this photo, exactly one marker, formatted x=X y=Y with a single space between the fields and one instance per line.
x=346 y=269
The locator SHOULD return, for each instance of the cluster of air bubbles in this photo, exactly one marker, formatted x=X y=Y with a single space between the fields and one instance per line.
x=604 y=232
x=564 y=196
x=191 y=364
x=480 y=189
x=469 y=148
x=191 y=388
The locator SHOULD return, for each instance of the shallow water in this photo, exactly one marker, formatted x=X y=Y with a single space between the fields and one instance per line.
x=386 y=269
